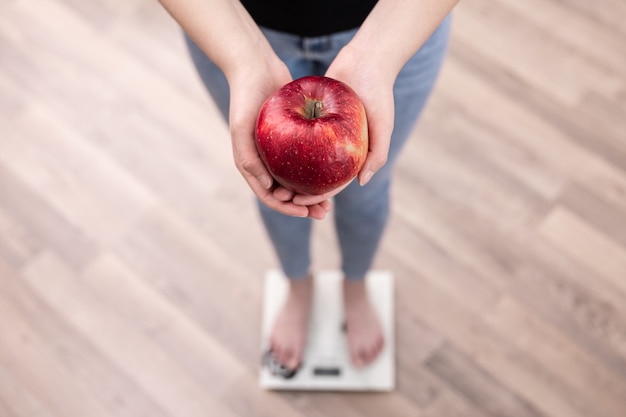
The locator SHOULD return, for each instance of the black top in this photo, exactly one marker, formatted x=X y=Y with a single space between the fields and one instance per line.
x=309 y=17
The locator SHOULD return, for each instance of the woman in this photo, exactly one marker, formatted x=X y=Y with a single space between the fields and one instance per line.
x=389 y=52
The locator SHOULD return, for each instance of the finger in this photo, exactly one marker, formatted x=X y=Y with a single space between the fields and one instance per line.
x=368 y=355
x=376 y=159
x=283 y=194
x=247 y=157
x=326 y=205
x=294 y=361
x=357 y=360
x=309 y=200
x=268 y=199
x=317 y=212
x=287 y=357
x=259 y=180
x=275 y=349
x=380 y=126
x=284 y=207
x=253 y=166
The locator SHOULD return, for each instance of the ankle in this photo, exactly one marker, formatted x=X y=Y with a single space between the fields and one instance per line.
x=300 y=278
x=301 y=287
x=355 y=286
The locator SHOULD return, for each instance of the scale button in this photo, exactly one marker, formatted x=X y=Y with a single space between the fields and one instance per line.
x=327 y=371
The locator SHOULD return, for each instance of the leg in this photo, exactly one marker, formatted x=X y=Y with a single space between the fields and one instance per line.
x=290 y=236
x=357 y=206
x=361 y=212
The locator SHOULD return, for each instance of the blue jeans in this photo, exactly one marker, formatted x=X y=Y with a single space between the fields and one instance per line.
x=360 y=213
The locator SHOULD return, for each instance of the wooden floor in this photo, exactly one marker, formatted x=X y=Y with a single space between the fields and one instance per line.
x=131 y=254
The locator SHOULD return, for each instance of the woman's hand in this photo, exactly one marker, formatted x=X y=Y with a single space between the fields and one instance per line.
x=375 y=89
x=249 y=87
x=394 y=29
x=228 y=35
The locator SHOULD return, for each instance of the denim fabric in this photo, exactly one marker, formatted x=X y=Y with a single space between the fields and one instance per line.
x=360 y=213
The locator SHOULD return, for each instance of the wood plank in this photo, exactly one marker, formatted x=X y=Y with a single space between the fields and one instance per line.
x=161 y=322
x=152 y=369
x=17 y=246
x=481 y=388
x=451 y=404
x=565 y=360
x=79 y=182
x=190 y=270
x=564 y=77
x=550 y=122
x=607 y=182
x=415 y=342
x=589 y=204
x=587 y=245
x=103 y=79
x=489 y=350
x=42 y=223
x=509 y=256
x=12 y=103
x=317 y=403
x=454 y=164
x=376 y=404
x=208 y=362
x=16 y=400
x=82 y=364
x=485 y=85
x=608 y=15
x=26 y=354
x=100 y=13
x=128 y=238
x=492 y=150
x=578 y=31
x=150 y=35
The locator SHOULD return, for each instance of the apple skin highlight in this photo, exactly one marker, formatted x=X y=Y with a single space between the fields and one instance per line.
x=312 y=135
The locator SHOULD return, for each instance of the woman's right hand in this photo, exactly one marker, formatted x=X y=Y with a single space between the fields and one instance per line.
x=227 y=34
x=249 y=87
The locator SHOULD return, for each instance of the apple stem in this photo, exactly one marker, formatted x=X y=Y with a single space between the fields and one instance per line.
x=313 y=109
x=317 y=109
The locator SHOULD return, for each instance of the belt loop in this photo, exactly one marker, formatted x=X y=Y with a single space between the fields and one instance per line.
x=316 y=45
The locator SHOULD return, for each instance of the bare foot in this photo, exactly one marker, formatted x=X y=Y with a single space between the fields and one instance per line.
x=288 y=337
x=365 y=333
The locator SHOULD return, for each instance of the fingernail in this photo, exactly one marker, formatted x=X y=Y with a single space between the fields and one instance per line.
x=265 y=181
x=366 y=177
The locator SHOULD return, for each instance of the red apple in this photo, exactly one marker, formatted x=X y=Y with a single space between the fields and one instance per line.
x=312 y=135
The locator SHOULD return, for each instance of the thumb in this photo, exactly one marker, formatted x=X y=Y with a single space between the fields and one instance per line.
x=374 y=162
x=248 y=161
x=379 y=109
x=252 y=166
x=379 y=139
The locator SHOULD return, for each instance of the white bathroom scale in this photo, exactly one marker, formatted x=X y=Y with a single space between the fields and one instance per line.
x=326 y=363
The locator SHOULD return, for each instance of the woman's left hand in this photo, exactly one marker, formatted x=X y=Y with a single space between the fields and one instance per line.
x=375 y=89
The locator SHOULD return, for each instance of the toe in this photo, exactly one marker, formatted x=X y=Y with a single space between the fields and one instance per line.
x=291 y=359
x=296 y=359
x=281 y=355
x=292 y=363
x=380 y=344
x=275 y=348
x=358 y=358
x=287 y=357
x=369 y=356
